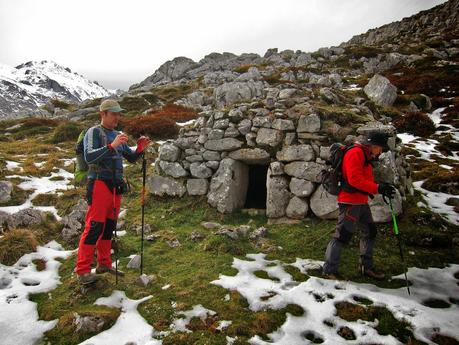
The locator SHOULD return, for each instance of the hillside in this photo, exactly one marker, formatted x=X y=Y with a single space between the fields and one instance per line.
x=238 y=278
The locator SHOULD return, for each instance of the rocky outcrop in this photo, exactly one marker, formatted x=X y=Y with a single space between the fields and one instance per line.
x=6 y=187
x=381 y=91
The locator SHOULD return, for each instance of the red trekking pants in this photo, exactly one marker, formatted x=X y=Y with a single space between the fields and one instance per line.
x=99 y=226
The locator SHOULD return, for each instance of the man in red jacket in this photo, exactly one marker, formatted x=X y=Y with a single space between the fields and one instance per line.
x=353 y=205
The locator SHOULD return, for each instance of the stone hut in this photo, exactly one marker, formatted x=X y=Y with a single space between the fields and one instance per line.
x=256 y=158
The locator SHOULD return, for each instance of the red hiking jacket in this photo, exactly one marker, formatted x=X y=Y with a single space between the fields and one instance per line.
x=359 y=174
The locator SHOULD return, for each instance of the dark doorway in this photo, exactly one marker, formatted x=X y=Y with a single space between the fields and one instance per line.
x=256 y=192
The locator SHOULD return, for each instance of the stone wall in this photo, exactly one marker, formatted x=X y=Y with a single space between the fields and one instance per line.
x=212 y=158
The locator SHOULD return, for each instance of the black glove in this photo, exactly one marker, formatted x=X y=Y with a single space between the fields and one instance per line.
x=386 y=190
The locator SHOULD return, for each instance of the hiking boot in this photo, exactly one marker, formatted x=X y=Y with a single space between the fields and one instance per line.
x=87 y=279
x=332 y=276
x=111 y=270
x=372 y=273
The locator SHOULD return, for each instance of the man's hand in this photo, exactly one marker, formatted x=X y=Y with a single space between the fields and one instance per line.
x=386 y=190
x=120 y=139
x=142 y=143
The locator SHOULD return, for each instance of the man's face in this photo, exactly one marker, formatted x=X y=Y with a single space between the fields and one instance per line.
x=109 y=119
x=375 y=151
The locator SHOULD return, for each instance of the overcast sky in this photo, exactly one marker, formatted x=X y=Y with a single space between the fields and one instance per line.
x=119 y=43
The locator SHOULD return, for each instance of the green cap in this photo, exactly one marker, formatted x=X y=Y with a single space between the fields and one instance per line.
x=111 y=105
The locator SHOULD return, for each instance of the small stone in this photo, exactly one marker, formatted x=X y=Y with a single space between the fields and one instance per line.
x=210 y=225
x=196 y=236
x=134 y=263
x=152 y=237
x=174 y=243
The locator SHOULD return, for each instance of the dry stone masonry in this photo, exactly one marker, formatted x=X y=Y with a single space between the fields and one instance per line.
x=218 y=154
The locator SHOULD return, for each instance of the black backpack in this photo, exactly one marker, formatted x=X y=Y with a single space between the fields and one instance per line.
x=332 y=176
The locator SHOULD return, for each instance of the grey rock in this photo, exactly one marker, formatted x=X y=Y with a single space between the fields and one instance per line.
x=6 y=221
x=87 y=324
x=262 y=121
x=194 y=158
x=277 y=168
x=74 y=222
x=244 y=126
x=197 y=186
x=230 y=93
x=134 y=263
x=283 y=125
x=269 y=137
x=216 y=134
x=211 y=155
x=200 y=170
x=329 y=96
x=297 y=208
x=258 y=233
x=296 y=153
x=173 y=169
x=143 y=281
x=287 y=93
x=380 y=90
x=251 y=156
x=235 y=115
x=309 y=123
x=213 y=164
x=381 y=212
x=289 y=139
x=228 y=232
x=221 y=124
x=277 y=197
x=174 y=243
x=196 y=236
x=252 y=74
x=323 y=204
x=305 y=170
x=231 y=132
x=228 y=187
x=6 y=187
x=211 y=225
x=159 y=185
x=146 y=229
x=225 y=144
x=301 y=188
x=27 y=217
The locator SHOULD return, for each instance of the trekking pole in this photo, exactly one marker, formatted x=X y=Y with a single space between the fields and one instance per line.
x=114 y=221
x=399 y=244
x=142 y=202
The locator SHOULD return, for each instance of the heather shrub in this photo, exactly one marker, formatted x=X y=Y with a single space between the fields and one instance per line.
x=67 y=131
x=15 y=244
x=175 y=112
x=415 y=123
x=154 y=127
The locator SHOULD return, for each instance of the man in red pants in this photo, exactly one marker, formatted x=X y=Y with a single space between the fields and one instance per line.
x=104 y=150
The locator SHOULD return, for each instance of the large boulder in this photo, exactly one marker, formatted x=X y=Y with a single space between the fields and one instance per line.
x=277 y=197
x=323 y=204
x=169 y=152
x=381 y=211
x=159 y=185
x=297 y=208
x=228 y=187
x=296 y=153
x=269 y=137
x=173 y=169
x=6 y=187
x=300 y=187
x=306 y=170
x=381 y=91
x=200 y=170
x=230 y=93
x=74 y=222
x=27 y=217
x=226 y=144
x=310 y=123
x=197 y=186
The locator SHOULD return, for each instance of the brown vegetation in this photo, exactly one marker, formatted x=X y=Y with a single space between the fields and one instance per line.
x=416 y=123
x=15 y=244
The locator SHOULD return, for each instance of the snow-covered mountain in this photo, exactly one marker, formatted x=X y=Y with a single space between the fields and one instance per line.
x=26 y=87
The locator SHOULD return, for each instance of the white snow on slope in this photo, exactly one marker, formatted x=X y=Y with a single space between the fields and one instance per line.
x=19 y=323
x=427 y=149
x=41 y=185
x=130 y=326
x=318 y=297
